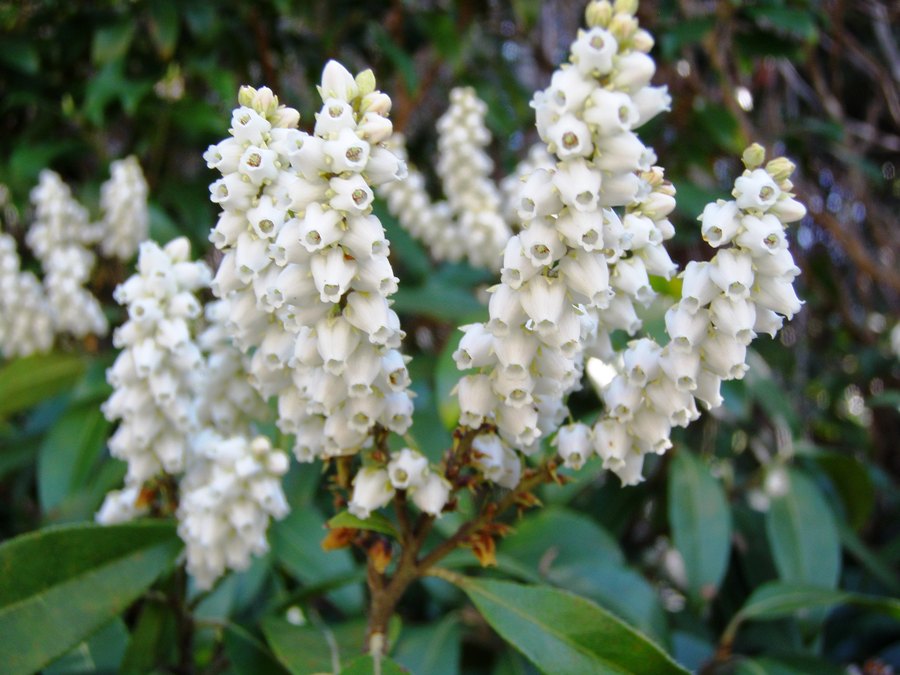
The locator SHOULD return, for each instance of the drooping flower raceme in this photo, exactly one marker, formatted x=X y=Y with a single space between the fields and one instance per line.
x=152 y=376
x=469 y=224
x=747 y=288
x=26 y=322
x=556 y=279
x=187 y=410
x=306 y=263
x=60 y=237
x=123 y=199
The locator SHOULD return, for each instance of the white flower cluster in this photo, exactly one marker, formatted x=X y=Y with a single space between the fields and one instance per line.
x=556 y=279
x=189 y=414
x=374 y=487
x=60 y=237
x=229 y=494
x=123 y=199
x=26 y=322
x=306 y=266
x=152 y=376
x=747 y=288
x=469 y=224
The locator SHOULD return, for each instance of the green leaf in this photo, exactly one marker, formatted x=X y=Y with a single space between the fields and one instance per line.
x=438 y=299
x=853 y=483
x=563 y=633
x=720 y=127
x=787 y=666
x=164 y=27
x=434 y=649
x=377 y=522
x=318 y=649
x=365 y=665
x=777 y=600
x=112 y=42
x=799 y=22
x=398 y=57
x=803 y=535
x=102 y=653
x=22 y=55
x=296 y=544
x=69 y=452
x=247 y=655
x=61 y=584
x=446 y=377
x=701 y=523
x=25 y=382
x=569 y=550
x=152 y=640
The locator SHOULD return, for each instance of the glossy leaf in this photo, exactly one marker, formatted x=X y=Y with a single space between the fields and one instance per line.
x=25 y=382
x=701 y=523
x=69 y=452
x=247 y=655
x=101 y=653
x=569 y=550
x=563 y=633
x=433 y=648
x=318 y=648
x=778 y=600
x=803 y=535
x=296 y=544
x=59 y=585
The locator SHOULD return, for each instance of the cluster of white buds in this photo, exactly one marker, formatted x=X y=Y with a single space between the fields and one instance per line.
x=374 y=487
x=469 y=224
x=152 y=376
x=556 y=279
x=747 y=288
x=186 y=410
x=465 y=172
x=123 y=199
x=60 y=237
x=306 y=265
x=26 y=322
x=228 y=495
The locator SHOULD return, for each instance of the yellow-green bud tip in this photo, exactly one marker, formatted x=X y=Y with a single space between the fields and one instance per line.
x=754 y=156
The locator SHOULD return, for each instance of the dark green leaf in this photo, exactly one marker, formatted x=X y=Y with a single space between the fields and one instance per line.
x=571 y=551
x=61 y=584
x=296 y=544
x=152 y=640
x=803 y=535
x=563 y=633
x=247 y=655
x=25 y=382
x=433 y=648
x=318 y=649
x=777 y=600
x=701 y=523
x=112 y=42
x=102 y=653
x=69 y=452
x=366 y=665
x=377 y=522
x=854 y=485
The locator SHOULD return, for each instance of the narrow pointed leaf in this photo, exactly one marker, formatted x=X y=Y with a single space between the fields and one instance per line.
x=25 y=382
x=701 y=523
x=563 y=633
x=803 y=535
x=59 y=585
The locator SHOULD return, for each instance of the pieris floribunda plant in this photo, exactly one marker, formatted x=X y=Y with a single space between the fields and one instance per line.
x=33 y=312
x=303 y=316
